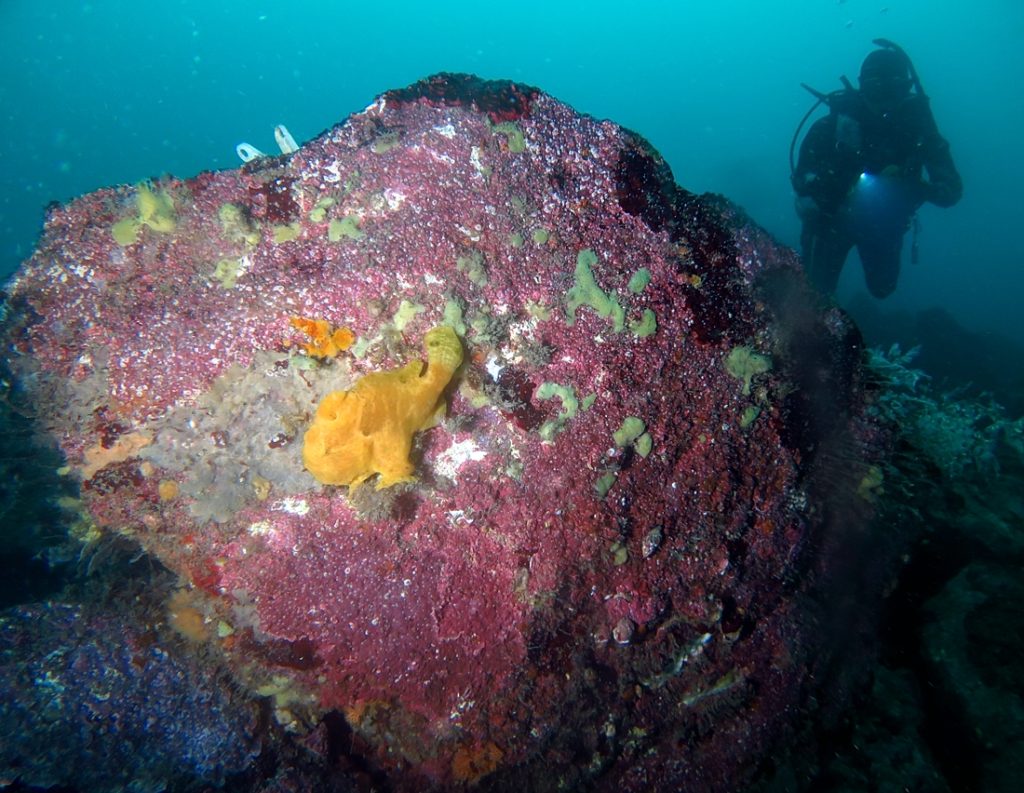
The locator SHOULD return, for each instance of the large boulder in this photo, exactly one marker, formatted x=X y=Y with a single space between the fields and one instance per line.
x=618 y=547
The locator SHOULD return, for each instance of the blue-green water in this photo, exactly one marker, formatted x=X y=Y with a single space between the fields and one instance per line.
x=111 y=91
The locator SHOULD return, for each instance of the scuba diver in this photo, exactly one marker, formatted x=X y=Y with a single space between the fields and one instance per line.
x=860 y=180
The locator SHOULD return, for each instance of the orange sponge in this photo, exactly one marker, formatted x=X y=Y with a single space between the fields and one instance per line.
x=325 y=341
x=368 y=430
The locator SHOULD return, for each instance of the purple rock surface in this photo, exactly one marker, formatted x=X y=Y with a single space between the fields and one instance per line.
x=609 y=571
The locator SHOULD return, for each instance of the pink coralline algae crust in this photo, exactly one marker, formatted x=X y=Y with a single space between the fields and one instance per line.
x=551 y=603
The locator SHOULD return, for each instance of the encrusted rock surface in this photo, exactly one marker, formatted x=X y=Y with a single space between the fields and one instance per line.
x=90 y=701
x=608 y=572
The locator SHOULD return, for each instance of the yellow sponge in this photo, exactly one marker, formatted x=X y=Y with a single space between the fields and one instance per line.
x=368 y=430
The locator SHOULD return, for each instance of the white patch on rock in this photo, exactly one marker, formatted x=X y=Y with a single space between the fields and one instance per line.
x=333 y=174
x=493 y=365
x=262 y=528
x=455 y=456
x=394 y=198
x=293 y=506
x=475 y=160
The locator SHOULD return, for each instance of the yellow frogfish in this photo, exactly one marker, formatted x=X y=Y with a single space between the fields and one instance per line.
x=368 y=429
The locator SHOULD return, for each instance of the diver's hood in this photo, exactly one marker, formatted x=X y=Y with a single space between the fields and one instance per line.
x=879 y=207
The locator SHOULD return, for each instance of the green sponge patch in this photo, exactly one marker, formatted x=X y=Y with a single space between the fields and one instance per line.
x=749 y=416
x=474 y=268
x=639 y=281
x=570 y=407
x=603 y=484
x=236 y=225
x=318 y=214
x=633 y=433
x=126 y=231
x=513 y=136
x=156 y=210
x=745 y=364
x=286 y=232
x=631 y=429
x=227 y=271
x=385 y=142
x=872 y=484
x=344 y=228
x=537 y=311
x=646 y=326
x=586 y=292
x=406 y=313
x=453 y=316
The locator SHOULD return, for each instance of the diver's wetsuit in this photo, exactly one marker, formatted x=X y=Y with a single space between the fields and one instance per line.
x=853 y=140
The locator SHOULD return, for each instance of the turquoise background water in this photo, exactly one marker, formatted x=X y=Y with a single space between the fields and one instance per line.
x=99 y=93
